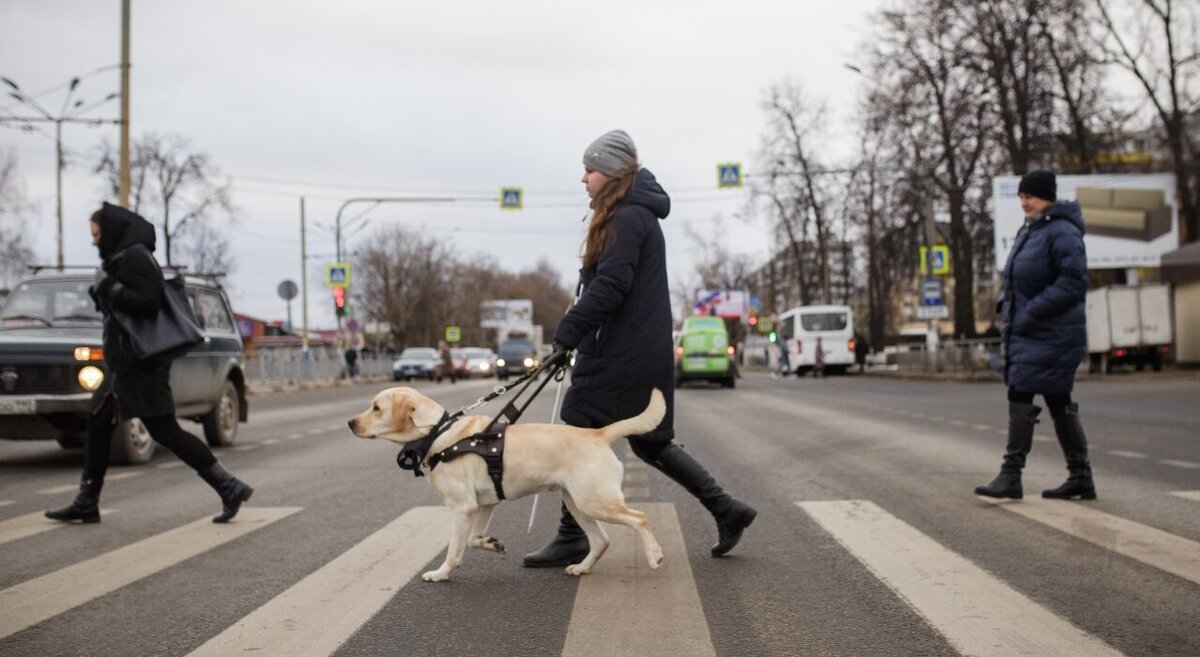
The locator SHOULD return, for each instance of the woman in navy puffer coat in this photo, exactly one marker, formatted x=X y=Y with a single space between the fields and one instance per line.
x=1045 y=335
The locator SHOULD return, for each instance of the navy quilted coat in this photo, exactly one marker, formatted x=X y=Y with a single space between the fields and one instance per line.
x=621 y=325
x=1043 y=303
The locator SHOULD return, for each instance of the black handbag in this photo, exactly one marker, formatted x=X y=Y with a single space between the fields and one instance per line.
x=169 y=334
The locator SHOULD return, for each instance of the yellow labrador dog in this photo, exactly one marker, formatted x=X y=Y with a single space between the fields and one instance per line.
x=537 y=458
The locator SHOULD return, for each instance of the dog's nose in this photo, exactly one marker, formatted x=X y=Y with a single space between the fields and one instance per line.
x=350 y=424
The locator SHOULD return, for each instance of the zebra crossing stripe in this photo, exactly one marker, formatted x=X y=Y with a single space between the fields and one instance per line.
x=7 y=502
x=75 y=486
x=31 y=525
x=1188 y=494
x=977 y=613
x=615 y=599
x=1153 y=547
x=320 y=612
x=36 y=600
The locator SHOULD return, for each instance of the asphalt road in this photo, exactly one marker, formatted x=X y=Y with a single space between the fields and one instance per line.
x=869 y=540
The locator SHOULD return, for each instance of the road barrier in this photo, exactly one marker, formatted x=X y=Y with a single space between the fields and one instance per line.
x=274 y=365
x=971 y=357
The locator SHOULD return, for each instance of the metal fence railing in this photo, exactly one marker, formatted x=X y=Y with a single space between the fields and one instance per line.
x=974 y=357
x=291 y=365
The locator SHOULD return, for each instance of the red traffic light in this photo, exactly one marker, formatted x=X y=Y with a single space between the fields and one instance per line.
x=339 y=297
x=753 y=321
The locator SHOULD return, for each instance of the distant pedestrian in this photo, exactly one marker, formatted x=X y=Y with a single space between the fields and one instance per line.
x=819 y=359
x=861 y=349
x=784 y=366
x=130 y=281
x=447 y=366
x=1042 y=308
x=351 y=357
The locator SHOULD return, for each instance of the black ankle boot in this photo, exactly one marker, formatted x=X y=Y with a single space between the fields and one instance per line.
x=569 y=546
x=1079 y=482
x=732 y=516
x=232 y=490
x=1022 y=418
x=86 y=506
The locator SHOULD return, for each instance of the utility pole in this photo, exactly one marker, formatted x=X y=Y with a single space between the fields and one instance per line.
x=123 y=185
x=303 y=284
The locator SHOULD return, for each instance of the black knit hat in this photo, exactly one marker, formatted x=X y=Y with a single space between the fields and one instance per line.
x=1041 y=184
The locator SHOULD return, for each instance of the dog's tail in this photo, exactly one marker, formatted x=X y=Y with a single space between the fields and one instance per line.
x=645 y=422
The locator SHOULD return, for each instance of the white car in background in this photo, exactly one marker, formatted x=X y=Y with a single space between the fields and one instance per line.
x=481 y=362
x=416 y=363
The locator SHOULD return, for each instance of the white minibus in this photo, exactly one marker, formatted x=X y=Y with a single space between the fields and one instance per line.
x=802 y=328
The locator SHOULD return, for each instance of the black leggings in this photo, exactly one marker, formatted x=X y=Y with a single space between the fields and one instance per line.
x=1053 y=401
x=165 y=430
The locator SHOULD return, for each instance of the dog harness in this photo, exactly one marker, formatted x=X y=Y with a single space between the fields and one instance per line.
x=489 y=444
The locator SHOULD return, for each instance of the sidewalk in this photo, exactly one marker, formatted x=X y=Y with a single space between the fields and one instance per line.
x=1167 y=374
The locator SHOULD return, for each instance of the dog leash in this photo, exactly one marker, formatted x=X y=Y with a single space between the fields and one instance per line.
x=413 y=453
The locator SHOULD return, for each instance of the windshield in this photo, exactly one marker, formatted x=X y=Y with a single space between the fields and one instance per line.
x=516 y=348
x=417 y=354
x=824 y=321
x=49 y=302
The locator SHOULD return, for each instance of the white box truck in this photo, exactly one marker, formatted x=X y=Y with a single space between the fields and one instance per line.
x=1129 y=324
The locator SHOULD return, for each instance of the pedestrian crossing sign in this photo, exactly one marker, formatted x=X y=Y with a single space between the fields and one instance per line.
x=337 y=275
x=729 y=174
x=511 y=198
x=453 y=334
x=941 y=259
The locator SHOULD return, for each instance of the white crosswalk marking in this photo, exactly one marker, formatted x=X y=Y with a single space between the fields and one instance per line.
x=170 y=465
x=33 y=601
x=31 y=525
x=1126 y=454
x=1188 y=494
x=636 y=491
x=976 y=612
x=637 y=477
x=1154 y=547
x=615 y=599
x=75 y=486
x=7 y=502
x=320 y=612
x=1181 y=464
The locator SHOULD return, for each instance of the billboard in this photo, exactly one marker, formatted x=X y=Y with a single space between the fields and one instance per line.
x=723 y=303
x=506 y=313
x=1131 y=220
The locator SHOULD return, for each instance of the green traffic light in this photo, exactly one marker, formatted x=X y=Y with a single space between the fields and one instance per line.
x=772 y=337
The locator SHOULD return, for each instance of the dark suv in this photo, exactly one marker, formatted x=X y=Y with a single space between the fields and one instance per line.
x=51 y=360
x=515 y=357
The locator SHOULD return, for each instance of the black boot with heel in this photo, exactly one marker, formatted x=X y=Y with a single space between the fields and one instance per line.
x=232 y=490
x=86 y=506
x=1079 y=482
x=733 y=516
x=568 y=547
x=1022 y=418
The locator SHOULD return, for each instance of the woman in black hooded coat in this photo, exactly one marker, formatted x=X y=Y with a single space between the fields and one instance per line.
x=620 y=330
x=130 y=281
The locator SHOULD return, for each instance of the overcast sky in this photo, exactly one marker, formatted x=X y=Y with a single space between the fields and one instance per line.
x=335 y=100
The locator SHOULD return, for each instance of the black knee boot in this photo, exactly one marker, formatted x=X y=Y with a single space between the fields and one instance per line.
x=569 y=546
x=86 y=506
x=1021 y=420
x=732 y=516
x=232 y=490
x=1074 y=446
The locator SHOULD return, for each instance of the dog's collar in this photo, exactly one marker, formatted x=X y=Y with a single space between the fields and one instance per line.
x=413 y=453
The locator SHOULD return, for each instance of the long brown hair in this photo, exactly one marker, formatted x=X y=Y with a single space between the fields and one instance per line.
x=600 y=229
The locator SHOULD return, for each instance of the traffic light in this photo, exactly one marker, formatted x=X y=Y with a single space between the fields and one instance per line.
x=772 y=337
x=753 y=321
x=339 y=301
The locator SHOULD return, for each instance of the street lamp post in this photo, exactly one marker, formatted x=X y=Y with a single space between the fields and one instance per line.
x=70 y=113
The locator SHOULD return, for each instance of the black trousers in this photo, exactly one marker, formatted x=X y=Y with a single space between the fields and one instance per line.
x=165 y=430
x=1055 y=402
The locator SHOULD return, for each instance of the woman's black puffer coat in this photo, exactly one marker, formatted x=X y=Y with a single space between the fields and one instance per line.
x=133 y=284
x=1043 y=305
x=621 y=326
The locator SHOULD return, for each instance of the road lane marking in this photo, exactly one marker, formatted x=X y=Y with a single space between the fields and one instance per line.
x=981 y=427
x=295 y=436
x=1127 y=455
x=615 y=599
x=31 y=525
x=313 y=432
x=170 y=465
x=73 y=487
x=1044 y=439
x=637 y=477
x=977 y=613
x=271 y=441
x=38 y=599
x=1180 y=464
x=1188 y=494
x=7 y=502
x=320 y=612
x=637 y=491
x=1153 y=547
x=957 y=423
x=245 y=448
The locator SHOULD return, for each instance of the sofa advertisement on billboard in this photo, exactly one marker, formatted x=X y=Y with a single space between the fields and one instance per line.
x=1131 y=219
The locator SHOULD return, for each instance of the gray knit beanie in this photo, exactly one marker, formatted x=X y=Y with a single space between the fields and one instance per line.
x=612 y=154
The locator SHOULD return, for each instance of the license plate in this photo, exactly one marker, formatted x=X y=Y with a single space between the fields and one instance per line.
x=17 y=406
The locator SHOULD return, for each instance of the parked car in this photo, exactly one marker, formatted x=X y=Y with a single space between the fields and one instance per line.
x=51 y=360
x=417 y=363
x=703 y=352
x=481 y=362
x=515 y=357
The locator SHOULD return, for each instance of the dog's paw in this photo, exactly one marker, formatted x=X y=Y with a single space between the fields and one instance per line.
x=656 y=559
x=435 y=576
x=575 y=570
x=489 y=543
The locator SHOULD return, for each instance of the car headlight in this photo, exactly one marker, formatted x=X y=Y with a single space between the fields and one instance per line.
x=483 y=367
x=529 y=362
x=499 y=362
x=90 y=377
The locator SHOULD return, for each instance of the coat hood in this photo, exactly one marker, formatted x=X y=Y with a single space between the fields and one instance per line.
x=121 y=229
x=1069 y=211
x=647 y=193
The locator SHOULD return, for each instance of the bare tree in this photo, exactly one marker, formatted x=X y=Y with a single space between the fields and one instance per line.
x=176 y=186
x=1158 y=44
x=15 y=252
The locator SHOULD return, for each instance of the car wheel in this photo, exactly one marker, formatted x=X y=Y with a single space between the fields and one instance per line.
x=131 y=444
x=220 y=425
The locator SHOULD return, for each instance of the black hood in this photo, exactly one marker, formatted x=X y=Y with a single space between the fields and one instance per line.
x=647 y=193
x=1068 y=210
x=121 y=229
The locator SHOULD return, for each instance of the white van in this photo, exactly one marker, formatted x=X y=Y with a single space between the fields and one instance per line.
x=801 y=328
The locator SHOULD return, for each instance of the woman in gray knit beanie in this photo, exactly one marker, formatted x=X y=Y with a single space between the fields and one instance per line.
x=620 y=331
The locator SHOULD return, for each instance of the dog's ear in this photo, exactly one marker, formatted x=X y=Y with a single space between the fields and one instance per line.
x=425 y=412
